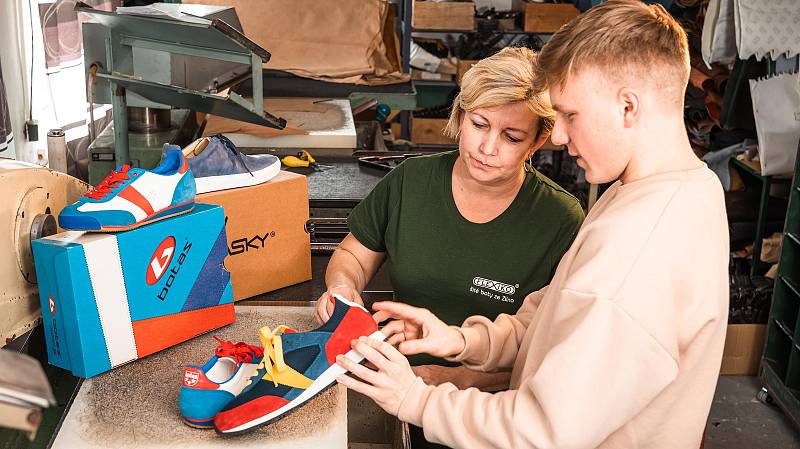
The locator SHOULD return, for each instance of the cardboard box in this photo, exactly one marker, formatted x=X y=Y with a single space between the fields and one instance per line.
x=268 y=246
x=548 y=17
x=463 y=66
x=443 y=16
x=744 y=344
x=110 y=298
x=429 y=131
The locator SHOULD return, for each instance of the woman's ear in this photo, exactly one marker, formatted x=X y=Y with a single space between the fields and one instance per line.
x=537 y=143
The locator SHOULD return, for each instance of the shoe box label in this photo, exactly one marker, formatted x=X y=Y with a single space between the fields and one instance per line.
x=249 y=243
x=268 y=247
x=115 y=297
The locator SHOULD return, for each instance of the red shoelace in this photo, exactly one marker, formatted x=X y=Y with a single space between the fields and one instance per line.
x=111 y=181
x=241 y=351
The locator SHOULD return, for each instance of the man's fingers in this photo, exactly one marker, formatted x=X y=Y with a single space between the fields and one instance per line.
x=396 y=339
x=397 y=310
x=355 y=385
x=357 y=369
x=387 y=350
x=371 y=354
x=381 y=316
x=412 y=347
x=393 y=327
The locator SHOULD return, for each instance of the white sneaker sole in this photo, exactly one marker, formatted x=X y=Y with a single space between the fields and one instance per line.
x=216 y=183
x=322 y=382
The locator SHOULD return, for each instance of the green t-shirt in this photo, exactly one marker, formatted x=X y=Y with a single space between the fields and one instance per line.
x=455 y=268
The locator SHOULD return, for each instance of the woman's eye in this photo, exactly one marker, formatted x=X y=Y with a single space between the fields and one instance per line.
x=479 y=125
x=512 y=139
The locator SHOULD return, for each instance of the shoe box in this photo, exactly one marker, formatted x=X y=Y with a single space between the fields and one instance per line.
x=268 y=246
x=110 y=298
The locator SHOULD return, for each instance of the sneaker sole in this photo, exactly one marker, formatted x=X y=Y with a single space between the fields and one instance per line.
x=203 y=425
x=322 y=383
x=214 y=183
x=178 y=209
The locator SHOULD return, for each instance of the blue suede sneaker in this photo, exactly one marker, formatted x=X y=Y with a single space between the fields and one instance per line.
x=296 y=367
x=131 y=197
x=218 y=165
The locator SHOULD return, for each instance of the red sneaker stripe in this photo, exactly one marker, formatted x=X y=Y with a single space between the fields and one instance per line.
x=133 y=195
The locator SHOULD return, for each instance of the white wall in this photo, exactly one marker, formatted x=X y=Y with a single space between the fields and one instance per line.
x=15 y=76
x=15 y=53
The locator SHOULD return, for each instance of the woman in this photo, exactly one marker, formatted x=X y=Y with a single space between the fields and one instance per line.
x=467 y=232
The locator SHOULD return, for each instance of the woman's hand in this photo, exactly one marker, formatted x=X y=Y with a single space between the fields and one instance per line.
x=325 y=306
x=417 y=331
x=388 y=384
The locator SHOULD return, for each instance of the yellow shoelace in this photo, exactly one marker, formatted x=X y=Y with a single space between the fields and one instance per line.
x=272 y=362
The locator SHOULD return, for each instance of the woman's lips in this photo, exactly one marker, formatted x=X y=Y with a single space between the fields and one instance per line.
x=480 y=164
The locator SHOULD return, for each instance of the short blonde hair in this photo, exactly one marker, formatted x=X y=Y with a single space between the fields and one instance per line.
x=504 y=78
x=624 y=39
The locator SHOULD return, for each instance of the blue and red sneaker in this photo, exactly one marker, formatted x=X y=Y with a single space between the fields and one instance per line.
x=296 y=367
x=206 y=390
x=131 y=197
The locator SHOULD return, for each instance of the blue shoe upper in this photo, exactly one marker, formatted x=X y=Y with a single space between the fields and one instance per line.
x=72 y=218
x=221 y=157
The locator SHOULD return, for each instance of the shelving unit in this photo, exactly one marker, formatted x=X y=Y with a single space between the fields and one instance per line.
x=406 y=32
x=780 y=364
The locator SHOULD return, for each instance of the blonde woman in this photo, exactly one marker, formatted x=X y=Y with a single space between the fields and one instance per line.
x=467 y=232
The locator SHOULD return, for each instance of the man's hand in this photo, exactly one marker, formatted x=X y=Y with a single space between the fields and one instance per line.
x=388 y=384
x=325 y=304
x=418 y=331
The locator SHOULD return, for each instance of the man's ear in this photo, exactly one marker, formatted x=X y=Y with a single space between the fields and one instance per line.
x=630 y=104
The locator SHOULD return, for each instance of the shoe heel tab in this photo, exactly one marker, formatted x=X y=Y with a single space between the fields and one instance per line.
x=194 y=377
x=347 y=303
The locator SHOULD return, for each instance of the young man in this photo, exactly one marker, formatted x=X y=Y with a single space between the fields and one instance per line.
x=622 y=349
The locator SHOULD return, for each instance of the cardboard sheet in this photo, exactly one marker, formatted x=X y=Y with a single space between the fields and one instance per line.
x=349 y=41
x=311 y=123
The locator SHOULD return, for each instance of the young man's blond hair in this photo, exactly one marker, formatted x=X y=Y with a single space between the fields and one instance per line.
x=626 y=40
x=504 y=78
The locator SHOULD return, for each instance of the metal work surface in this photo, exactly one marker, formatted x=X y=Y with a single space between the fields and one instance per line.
x=136 y=405
x=344 y=185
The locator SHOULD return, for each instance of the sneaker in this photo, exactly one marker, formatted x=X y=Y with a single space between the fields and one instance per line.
x=296 y=367
x=131 y=197
x=207 y=389
x=218 y=165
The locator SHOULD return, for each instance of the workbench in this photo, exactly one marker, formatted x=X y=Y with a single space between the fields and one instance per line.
x=81 y=413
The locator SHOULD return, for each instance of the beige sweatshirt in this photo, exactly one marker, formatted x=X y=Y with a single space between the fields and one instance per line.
x=621 y=350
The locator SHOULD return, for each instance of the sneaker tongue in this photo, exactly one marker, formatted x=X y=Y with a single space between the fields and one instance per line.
x=196 y=147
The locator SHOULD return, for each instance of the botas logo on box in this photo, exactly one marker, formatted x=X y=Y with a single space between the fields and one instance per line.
x=160 y=260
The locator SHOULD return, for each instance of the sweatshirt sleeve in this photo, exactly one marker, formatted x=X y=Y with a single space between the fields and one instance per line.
x=493 y=345
x=602 y=369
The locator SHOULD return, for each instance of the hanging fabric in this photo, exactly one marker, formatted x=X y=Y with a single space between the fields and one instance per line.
x=776 y=107
x=5 y=117
x=718 y=41
x=767 y=28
